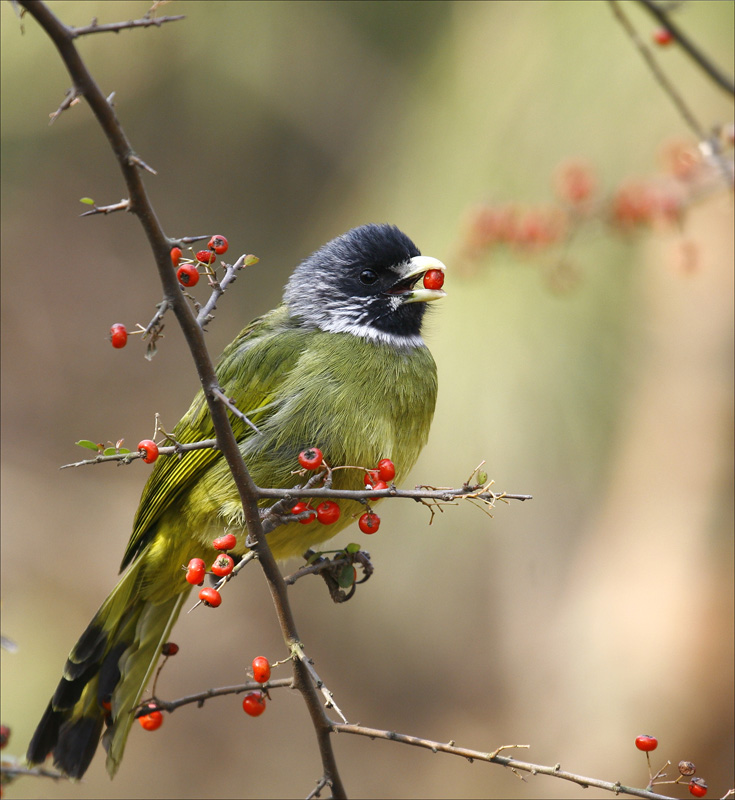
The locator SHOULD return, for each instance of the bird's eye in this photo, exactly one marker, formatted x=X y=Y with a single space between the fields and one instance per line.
x=368 y=276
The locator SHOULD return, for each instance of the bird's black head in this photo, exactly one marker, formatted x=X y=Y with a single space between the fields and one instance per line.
x=366 y=282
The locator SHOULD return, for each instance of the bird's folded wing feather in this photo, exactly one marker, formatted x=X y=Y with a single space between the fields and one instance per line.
x=250 y=372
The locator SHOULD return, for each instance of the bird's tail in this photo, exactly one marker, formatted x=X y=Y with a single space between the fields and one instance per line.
x=104 y=678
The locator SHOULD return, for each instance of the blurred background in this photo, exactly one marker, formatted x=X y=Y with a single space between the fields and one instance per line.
x=598 y=611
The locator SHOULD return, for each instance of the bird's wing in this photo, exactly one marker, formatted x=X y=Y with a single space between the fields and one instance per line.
x=250 y=371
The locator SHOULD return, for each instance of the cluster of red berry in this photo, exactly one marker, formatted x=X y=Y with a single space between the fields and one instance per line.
x=254 y=702
x=658 y=201
x=187 y=273
x=223 y=565
x=697 y=786
x=328 y=512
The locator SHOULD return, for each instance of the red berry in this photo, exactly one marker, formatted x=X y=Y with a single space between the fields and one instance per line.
x=118 y=335
x=254 y=703
x=698 y=787
x=218 y=244
x=152 y=721
x=226 y=542
x=371 y=477
x=386 y=470
x=187 y=275
x=646 y=743
x=261 y=669
x=223 y=565
x=663 y=36
x=210 y=596
x=299 y=508
x=311 y=458
x=169 y=649
x=379 y=485
x=175 y=255
x=206 y=257
x=575 y=181
x=149 y=449
x=4 y=735
x=195 y=572
x=327 y=512
x=369 y=522
x=433 y=279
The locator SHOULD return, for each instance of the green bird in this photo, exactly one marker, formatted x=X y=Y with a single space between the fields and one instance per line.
x=339 y=365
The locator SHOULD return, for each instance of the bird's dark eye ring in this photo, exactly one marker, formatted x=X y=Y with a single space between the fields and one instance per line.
x=368 y=276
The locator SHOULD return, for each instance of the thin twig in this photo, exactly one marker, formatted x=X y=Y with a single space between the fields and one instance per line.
x=494 y=757
x=156 y=704
x=116 y=27
x=298 y=653
x=218 y=289
x=223 y=398
x=167 y=450
x=123 y=205
x=708 y=145
x=658 y=73
x=71 y=99
x=13 y=770
x=662 y=15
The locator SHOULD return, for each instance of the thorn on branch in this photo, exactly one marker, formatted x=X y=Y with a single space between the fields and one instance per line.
x=220 y=395
x=136 y=161
x=116 y=27
x=71 y=99
x=123 y=205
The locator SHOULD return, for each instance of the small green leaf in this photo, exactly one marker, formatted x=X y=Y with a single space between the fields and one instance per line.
x=87 y=201
x=250 y=260
x=346 y=577
x=123 y=450
x=88 y=444
x=482 y=477
x=352 y=547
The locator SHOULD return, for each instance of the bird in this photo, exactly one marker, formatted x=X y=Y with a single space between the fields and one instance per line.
x=341 y=365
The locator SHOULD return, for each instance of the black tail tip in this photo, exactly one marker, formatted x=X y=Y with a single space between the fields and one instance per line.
x=73 y=743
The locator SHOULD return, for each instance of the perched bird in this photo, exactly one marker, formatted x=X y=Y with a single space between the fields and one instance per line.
x=339 y=365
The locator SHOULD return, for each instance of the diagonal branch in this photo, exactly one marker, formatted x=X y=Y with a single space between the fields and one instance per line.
x=718 y=76
x=495 y=758
x=63 y=38
x=116 y=27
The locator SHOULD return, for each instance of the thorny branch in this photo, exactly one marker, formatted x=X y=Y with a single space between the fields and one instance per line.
x=494 y=757
x=662 y=15
x=709 y=145
x=84 y=84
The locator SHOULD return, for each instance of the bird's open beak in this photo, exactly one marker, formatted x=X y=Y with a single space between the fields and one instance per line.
x=407 y=287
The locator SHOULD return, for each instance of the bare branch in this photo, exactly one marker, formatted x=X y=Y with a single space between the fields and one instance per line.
x=71 y=99
x=222 y=397
x=662 y=15
x=298 y=653
x=156 y=704
x=116 y=27
x=14 y=771
x=219 y=287
x=123 y=205
x=494 y=757
x=658 y=73
x=709 y=144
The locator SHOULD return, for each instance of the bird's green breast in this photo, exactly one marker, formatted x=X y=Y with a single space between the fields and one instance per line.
x=355 y=399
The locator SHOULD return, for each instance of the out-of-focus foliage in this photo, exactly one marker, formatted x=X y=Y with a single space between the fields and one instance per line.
x=598 y=611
